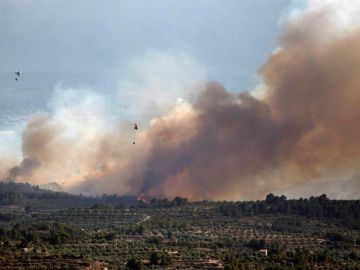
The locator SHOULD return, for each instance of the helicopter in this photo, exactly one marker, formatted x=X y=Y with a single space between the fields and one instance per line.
x=135 y=129
x=17 y=73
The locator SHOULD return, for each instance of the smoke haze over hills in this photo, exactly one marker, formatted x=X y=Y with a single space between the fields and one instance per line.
x=206 y=142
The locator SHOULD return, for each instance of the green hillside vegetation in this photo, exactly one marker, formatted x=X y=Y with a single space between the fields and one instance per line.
x=37 y=232
x=32 y=196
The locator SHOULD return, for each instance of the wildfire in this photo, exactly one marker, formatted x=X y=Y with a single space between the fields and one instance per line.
x=143 y=199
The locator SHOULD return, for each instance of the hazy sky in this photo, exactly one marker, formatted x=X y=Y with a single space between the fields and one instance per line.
x=96 y=43
x=91 y=68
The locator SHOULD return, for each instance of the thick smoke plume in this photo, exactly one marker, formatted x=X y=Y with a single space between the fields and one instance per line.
x=304 y=128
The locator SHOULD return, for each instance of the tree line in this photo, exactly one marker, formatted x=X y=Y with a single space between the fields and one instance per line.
x=346 y=212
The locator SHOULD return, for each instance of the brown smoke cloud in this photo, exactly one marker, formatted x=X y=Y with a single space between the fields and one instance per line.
x=305 y=129
x=226 y=145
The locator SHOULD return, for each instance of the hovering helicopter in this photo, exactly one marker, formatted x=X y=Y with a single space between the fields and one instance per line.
x=17 y=73
x=135 y=129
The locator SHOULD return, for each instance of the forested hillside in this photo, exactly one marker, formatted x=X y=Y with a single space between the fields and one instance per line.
x=26 y=195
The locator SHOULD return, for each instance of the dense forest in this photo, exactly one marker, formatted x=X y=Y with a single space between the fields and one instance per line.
x=346 y=212
x=32 y=196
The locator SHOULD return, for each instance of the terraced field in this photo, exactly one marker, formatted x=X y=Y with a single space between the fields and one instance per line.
x=194 y=235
